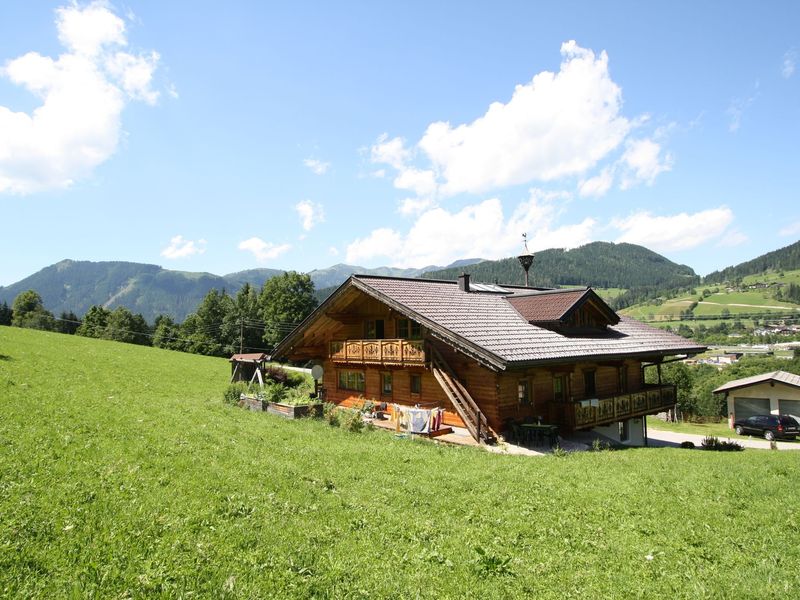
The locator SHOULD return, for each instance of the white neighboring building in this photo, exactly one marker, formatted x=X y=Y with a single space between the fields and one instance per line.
x=772 y=393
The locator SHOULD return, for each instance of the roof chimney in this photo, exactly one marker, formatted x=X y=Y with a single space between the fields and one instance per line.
x=463 y=282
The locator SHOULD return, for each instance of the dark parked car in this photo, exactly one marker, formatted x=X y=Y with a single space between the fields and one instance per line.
x=770 y=426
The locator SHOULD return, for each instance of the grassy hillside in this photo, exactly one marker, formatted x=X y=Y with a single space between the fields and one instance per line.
x=737 y=302
x=123 y=475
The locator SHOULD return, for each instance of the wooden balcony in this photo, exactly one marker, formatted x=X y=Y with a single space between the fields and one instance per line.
x=379 y=352
x=649 y=400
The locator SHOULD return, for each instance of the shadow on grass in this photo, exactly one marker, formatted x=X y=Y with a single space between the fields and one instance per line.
x=5 y=357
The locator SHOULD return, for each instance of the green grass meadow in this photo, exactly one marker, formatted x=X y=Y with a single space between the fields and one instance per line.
x=123 y=475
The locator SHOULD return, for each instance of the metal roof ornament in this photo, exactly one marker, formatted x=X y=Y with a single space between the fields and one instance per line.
x=526 y=258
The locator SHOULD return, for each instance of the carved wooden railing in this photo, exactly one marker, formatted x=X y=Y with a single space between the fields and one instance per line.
x=623 y=406
x=387 y=352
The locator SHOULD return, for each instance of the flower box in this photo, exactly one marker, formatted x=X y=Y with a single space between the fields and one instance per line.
x=252 y=403
x=295 y=411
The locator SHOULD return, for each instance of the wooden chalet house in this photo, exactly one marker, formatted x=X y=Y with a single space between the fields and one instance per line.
x=488 y=354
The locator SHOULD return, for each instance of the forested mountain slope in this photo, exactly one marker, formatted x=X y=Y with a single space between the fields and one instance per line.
x=599 y=264
x=783 y=259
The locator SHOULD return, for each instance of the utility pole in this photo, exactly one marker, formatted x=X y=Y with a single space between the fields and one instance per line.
x=241 y=335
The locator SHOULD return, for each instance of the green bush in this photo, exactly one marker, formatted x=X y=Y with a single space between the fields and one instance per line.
x=298 y=396
x=713 y=443
x=331 y=414
x=274 y=392
x=296 y=379
x=234 y=391
x=353 y=421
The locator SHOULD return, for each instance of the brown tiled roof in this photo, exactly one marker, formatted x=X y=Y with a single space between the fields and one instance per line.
x=780 y=376
x=253 y=357
x=553 y=305
x=545 y=306
x=489 y=327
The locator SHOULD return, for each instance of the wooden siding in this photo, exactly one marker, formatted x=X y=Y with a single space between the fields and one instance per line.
x=543 y=404
x=431 y=395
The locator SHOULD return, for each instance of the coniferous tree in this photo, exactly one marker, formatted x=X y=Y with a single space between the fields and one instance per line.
x=6 y=314
x=94 y=322
x=68 y=322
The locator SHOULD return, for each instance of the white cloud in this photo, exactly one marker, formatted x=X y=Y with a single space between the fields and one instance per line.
x=83 y=92
x=422 y=183
x=135 y=74
x=310 y=213
x=737 y=108
x=676 y=232
x=317 y=167
x=181 y=248
x=391 y=152
x=597 y=185
x=381 y=242
x=560 y=124
x=643 y=162
x=263 y=251
x=86 y=31
x=732 y=238
x=557 y=126
x=440 y=236
x=791 y=229
x=333 y=251
x=789 y=63
x=414 y=206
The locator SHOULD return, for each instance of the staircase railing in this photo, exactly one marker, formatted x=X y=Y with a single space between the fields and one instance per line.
x=459 y=397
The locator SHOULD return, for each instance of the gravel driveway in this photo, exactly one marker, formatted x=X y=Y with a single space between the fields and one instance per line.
x=657 y=437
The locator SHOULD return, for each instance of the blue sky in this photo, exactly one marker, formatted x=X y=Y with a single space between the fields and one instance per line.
x=221 y=137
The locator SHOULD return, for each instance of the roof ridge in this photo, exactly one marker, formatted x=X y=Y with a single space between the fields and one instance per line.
x=551 y=291
x=448 y=281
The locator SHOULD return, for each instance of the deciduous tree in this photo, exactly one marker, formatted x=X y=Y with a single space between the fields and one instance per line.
x=285 y=301
x=28 y=311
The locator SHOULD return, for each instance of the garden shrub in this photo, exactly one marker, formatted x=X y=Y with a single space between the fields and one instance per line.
x=298 y=395
x=330 y=413
x=274 y=392
x=234 y=391
x=275 y=375
x=713 y=443
x=295 y=379
x=353 y=421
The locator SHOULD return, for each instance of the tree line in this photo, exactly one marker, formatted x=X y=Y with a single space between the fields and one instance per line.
x=251 y=321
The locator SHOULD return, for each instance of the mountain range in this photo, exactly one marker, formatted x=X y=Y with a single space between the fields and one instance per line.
x=152 y=290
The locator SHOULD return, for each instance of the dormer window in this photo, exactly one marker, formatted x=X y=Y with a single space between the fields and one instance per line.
x=575 y=312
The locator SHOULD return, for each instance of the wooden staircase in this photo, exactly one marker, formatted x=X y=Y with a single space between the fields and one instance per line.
x=459 y=397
